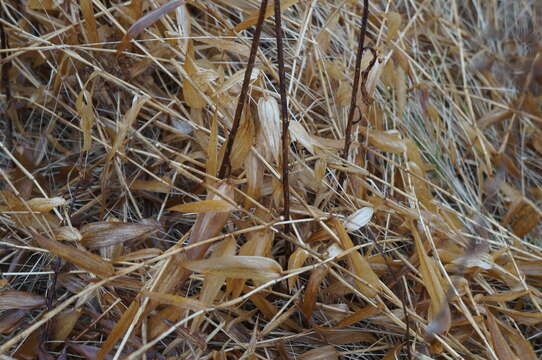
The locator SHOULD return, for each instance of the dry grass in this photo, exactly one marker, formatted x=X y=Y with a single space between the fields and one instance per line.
x=118 y=239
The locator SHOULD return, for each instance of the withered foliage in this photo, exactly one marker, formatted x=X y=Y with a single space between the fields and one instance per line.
x=141 y=218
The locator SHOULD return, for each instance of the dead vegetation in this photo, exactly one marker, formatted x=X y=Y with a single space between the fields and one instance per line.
x=126 y=233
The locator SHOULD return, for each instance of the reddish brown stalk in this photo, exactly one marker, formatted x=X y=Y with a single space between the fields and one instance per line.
x=225 y=167
x=357 y=75
x=283 y=115
x=5 y=84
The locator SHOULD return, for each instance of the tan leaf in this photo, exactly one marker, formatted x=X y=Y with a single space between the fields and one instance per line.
x=239 y=267
x=179 y=301
x=14 y=299
x=327 y=352
x=104 y=233
x=394 y=23
x=82 y=258
x=45 y=204
x=204 y=206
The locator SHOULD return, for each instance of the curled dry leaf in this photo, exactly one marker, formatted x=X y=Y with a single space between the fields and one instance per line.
x=146 y=21
x=239 y=267
x=441 y=322
x=67 y=233
x=298 y=133
x=389 y=141
x=394 y=23
x=358 y=219
x=210 y=223
x=313 y=289
x=270 y=124
x=45 y=204
x=295 y=261
x=104 y=233
x=14 y=299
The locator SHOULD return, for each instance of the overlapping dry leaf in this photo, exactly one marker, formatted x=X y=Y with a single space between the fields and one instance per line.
x=118 y=240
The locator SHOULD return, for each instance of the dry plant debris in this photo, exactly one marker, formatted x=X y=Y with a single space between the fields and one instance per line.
x=417 y=236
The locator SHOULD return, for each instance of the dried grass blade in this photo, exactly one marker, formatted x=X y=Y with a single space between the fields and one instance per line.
x=14 y=299
x=327 y=352
x=44 y=205
x=313 y=289
x=500 y=345
x=359 y=263
x=146 y=21
x=82 y=258
x=204 y=206
x=239 y=267
x=103 y=233
x=179 y=301
x=90 y=22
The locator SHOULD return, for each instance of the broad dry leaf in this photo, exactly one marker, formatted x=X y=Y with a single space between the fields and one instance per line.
x=45 y=204
x=252 y=18
x=298 y=133
x=523 y=216
x=67 y=233
x=500 y=345
x=522 y=317
x=213 y=283
x=295 y=261
x=139 y=255
x=90 y=26
x=504 y=296
x=147 y=20
x=313 y=289
x=104 y=233
x=389 y=141
x=159 y=186
x=441 y=322
x=204 y=206
x=63 y=325
x=327 y=352
x=227 y=45
x=179 y=301
x=14 y=299
x=11 y=319
x=270 y=125
x=430 y=275
x=360 y=315
x=358 y=219
x=83 y=104
x=239 y=267
x=394 y=23
x=361 y=267
x=82 y=258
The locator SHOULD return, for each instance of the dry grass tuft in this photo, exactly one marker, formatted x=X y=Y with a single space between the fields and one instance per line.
x=119 y=238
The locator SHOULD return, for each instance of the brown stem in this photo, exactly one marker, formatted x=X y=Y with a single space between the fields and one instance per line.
x=225 y=168
x=357 y=74
x=5 y=84
x=283 y=115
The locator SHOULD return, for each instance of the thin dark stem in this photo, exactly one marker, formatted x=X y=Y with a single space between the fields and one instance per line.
x=357 y=75
x=5 y=83
x=283 y=115
x=225 y=168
